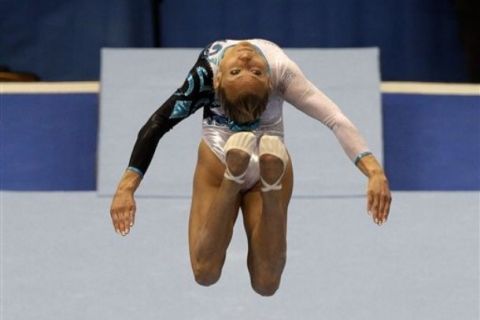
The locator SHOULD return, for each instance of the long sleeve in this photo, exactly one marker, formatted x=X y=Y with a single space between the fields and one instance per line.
x=301 y=93
x=196 y=91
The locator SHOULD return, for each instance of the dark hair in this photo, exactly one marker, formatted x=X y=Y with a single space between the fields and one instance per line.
x=245 y=107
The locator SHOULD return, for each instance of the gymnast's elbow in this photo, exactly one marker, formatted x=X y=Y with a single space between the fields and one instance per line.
x=153 y=129
x=339 y=123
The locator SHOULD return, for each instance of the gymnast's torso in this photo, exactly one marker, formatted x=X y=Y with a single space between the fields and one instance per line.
x=217 y=128
x=288 y=84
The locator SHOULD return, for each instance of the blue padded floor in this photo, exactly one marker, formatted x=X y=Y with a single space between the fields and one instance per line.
x=61 y=259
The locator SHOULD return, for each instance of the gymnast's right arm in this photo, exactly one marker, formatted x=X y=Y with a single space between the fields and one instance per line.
x=195 y=91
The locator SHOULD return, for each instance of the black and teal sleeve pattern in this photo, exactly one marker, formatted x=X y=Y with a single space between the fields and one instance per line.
x=196 y=92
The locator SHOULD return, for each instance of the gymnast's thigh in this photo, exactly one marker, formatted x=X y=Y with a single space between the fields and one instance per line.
x=252 y=202
x=207 y=179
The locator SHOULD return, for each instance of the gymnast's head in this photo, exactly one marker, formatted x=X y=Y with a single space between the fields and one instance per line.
x=242 y=83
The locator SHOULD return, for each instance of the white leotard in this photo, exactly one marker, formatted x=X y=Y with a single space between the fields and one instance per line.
x=289 y=84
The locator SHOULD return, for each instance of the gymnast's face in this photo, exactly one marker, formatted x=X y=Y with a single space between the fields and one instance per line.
x=242 y=68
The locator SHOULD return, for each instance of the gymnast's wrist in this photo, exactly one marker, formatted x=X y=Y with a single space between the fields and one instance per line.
x=376 y=172
x=134 y=170
x=130 y=181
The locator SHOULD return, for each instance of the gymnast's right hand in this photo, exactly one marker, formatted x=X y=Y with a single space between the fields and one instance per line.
x=123 y=205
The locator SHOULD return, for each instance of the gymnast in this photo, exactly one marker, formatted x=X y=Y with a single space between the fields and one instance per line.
x=242 y=159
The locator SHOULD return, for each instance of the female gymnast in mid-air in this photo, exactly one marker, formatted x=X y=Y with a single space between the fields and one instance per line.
x=242 y=160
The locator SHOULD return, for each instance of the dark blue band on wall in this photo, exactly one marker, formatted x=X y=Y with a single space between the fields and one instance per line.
x=432 y=142
x=48 y=141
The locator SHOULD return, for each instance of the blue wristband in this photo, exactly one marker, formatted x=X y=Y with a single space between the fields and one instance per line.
x=133 y=169
x=362 y=155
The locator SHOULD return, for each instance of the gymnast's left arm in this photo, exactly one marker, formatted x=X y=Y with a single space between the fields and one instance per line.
x=302 y=94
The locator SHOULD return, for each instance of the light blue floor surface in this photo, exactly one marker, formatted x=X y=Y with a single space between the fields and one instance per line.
x=60 y=259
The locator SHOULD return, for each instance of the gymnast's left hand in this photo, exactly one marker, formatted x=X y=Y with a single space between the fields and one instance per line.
x=123 y=205
x=122 y=211
x=379 y=198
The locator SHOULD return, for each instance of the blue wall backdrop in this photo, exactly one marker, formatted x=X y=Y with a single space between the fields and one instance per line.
x=432 y=142
x=49 y=141
x=61 y=40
